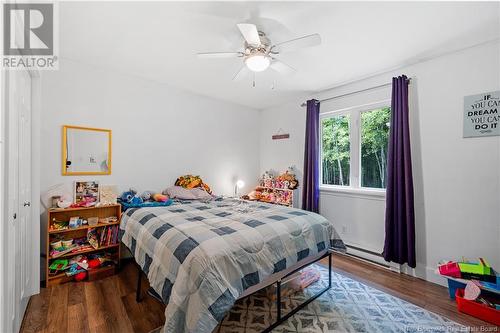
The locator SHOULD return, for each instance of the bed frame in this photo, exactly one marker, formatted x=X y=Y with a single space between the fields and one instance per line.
x=279 y=317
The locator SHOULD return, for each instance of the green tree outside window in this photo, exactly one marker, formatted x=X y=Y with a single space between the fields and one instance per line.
x=336 y=148
x=373 y=133
x=374 y=140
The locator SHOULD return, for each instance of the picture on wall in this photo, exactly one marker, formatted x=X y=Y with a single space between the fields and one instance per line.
x=86 y=193
x=108 y=195
x=481 y=114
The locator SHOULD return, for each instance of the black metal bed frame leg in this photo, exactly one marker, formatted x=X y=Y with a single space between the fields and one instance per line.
x=279 y=319
x=138 y=293
x=329 y=270
x=278 y=299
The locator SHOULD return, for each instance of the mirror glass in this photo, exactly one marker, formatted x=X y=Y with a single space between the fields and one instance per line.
x=86 y=151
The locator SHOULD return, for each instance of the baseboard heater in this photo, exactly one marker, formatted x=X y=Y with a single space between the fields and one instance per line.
x=357 y=252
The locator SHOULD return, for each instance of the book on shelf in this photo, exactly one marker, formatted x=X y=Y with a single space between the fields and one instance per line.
x=109 y=235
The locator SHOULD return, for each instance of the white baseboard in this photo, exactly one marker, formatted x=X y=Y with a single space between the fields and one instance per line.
x=370 y=257
x=425 y=273
x=421 y=271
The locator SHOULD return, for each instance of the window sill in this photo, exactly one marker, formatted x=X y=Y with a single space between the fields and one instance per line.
x=368 y=193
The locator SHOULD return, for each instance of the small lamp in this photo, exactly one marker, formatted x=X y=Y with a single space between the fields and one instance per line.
x=239 y=184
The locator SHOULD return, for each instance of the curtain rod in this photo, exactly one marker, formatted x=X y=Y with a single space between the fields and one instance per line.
x=353 y=92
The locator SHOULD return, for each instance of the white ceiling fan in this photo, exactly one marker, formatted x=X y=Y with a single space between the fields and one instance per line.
x=260 y=54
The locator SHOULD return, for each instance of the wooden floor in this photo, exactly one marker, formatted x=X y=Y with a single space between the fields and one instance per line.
x=109 y=305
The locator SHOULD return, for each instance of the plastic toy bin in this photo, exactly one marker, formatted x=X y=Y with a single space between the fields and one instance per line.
x=477 y=310
x=482 y=267
x=453 y=286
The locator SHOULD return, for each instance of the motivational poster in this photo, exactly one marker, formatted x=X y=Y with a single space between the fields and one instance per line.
x=481 y=116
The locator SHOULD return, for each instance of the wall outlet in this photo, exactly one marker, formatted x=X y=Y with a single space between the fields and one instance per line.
x=344 y=229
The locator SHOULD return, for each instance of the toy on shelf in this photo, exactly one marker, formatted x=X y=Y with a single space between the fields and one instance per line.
x=108 y=195
x=275 y=189
x=450 y=268
x=64 y=202
x=480 y=270
x=58 y=265
x=70 y=250
x=286 y=180
x=254 y=195
x=464 y=269
x=458 y=279
x=267 y=180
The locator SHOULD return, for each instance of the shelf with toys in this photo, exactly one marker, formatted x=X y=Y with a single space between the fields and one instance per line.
x=475 y=286
x=276 y=189
x=83 y=234
x=82 y=243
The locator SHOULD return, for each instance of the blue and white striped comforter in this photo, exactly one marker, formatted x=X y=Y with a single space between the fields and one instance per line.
x=200 y=257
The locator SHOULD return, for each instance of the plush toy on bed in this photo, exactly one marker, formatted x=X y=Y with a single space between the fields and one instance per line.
x=190 y=182
x=158 y=197
x=147 y=196
x=130 y=197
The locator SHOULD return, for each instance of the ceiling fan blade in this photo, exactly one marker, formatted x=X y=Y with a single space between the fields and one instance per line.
x=298 y=43
x=250 y=33
x=219 y=54
x=281 y=67
x=241 y=73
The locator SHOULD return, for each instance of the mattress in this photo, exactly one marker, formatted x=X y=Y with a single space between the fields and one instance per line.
x=202 y=256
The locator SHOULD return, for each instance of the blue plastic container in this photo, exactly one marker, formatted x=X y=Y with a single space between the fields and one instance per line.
x=453 y=286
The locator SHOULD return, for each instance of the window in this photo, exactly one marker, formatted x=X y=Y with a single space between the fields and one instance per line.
x=336 y=150
x=354 y=147
x=374 y=140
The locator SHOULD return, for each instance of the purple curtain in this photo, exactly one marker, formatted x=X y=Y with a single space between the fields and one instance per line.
x=310 y=189
x=399 y=244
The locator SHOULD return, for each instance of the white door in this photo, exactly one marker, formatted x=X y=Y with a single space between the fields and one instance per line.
x=19 y=238
x=25 y=219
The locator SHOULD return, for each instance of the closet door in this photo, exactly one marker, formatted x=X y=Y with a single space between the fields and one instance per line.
x=25 y=219
x=19 y=238
x=12 y=180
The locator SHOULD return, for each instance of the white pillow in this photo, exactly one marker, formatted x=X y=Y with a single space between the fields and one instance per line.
x=179 y=192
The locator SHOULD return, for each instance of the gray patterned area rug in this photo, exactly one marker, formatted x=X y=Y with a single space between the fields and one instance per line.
x=349 y=306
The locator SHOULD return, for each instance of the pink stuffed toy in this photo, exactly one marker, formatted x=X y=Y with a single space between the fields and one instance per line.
x=160 y=197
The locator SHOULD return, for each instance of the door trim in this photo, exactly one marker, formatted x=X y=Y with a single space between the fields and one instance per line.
x=36 y=110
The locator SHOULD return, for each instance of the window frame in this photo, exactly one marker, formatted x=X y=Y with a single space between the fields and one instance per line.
x=354 y=114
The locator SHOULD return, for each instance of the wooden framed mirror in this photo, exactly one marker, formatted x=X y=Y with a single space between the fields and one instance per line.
x=86 y=151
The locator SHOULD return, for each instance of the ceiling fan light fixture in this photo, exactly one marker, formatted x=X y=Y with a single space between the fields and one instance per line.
x=258 y=62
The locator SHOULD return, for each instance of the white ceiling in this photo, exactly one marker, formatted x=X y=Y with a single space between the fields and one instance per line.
x=158 y=40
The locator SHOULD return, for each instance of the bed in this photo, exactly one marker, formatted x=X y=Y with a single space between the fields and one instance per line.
x=202 y=256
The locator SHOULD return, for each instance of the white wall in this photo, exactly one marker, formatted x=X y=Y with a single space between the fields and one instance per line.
x=457 y=180
x=159 y=132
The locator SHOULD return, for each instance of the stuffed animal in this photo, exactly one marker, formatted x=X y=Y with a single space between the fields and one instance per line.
x=130 y=197
x=80 y=276
x=267 y=179
x=158 y=197
x=147 y=196
x=94 y=263
x=190 y=182
x=254 y=195
x=288 y=179
x=85 y=202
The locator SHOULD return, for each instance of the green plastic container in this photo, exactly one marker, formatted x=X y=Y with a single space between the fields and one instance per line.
x=482 y=267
